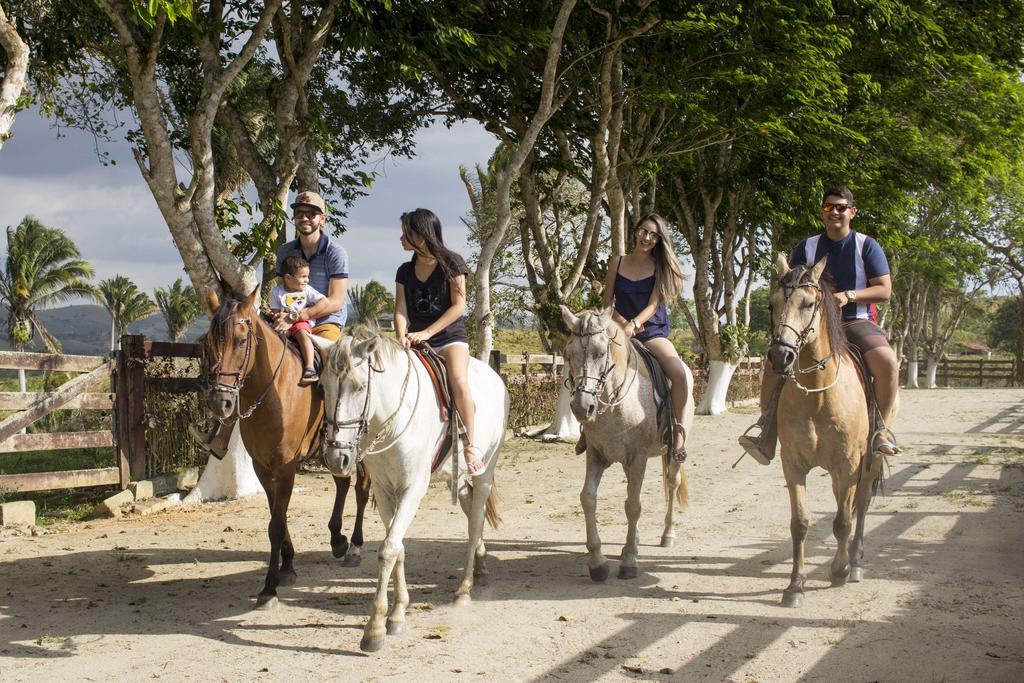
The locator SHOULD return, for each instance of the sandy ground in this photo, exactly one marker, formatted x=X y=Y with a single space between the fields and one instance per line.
x=170 y=596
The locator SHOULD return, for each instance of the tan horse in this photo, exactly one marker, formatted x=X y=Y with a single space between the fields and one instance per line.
x=822 y=417
x=613 y=399
x=253 y=376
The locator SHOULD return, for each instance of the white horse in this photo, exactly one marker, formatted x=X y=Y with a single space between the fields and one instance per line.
x=380 y=405
x=613 y=399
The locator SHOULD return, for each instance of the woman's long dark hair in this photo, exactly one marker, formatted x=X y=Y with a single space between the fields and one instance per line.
x=668 y=276
x=426 y=224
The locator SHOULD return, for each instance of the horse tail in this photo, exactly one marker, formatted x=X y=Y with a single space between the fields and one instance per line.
x=491 y=507
x=682 y=493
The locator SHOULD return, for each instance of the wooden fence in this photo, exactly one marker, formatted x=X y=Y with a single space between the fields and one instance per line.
x=31 y=406
x=974 y=372
x=130 y=422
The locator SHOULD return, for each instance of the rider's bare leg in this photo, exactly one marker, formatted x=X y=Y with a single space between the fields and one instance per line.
x=762 y=447
x=884 y=369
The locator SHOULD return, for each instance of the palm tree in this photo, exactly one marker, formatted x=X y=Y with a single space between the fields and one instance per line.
x=42 y=268
x=370 y=301
x=124 y=302
x=180 y=307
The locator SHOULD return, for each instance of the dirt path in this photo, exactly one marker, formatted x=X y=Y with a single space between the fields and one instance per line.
x=169 y=596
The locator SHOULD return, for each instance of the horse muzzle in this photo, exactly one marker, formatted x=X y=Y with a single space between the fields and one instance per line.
x=781 y=355
x=583 y=406
x=222 y=404
x=341 y=460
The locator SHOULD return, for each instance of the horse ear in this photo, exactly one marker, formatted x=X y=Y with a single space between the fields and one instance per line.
x=606 y=316
x=212 y=301
x=569 y=318
x=364 y=347
x=250 y=301
x=819 y=268
x=781 y=264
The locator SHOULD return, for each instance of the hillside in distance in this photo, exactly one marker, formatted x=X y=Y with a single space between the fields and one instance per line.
x=84 y=329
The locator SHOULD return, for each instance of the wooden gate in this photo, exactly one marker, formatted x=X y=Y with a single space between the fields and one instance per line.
x=31 y=406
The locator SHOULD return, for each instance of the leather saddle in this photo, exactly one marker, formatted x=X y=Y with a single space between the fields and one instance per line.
x=660 y=389
x=448 y=412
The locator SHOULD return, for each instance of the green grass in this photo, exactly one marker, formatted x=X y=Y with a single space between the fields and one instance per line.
x=56 y=461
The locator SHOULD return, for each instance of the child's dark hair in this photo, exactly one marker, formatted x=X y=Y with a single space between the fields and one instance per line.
x=427 y=225
x=291 y=265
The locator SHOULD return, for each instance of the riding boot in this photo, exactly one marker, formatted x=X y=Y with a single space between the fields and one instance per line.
x=214 y=441
x=581 y=445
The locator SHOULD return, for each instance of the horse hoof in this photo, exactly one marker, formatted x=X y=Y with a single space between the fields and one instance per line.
x=792 y=598
x=338 y=549
x=627 y=572
x=838 y=581
x=265 y=602
x=481 y=579
x=371 y=643
x=600 y=572
x=668 y=542
x=395 y=627
x=352 y=561
x=856 y=574
x=462 y=600
x=287 y=578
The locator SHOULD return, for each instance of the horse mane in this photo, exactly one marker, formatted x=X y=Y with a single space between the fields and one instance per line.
x=340 y=358
x=590 y=323
x=831 y=312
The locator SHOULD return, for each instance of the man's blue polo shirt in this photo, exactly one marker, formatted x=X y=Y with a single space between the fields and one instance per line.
x=328 y=262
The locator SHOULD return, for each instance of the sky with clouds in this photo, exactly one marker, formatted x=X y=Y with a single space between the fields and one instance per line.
x=110 y=214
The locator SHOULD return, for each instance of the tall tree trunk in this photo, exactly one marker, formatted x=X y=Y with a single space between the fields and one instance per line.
x=15 y=74
x=506 y=173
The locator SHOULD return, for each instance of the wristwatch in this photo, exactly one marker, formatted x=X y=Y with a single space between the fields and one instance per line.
x=851 y=295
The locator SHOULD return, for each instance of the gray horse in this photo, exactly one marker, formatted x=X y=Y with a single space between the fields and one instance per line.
x=613 y=399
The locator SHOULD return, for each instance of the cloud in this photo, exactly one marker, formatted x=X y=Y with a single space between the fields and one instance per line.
x=112 y=217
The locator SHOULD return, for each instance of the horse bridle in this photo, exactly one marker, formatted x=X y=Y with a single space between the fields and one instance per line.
x=578 y=386
x=240 y=375
x=801 y=338
x=360 y=425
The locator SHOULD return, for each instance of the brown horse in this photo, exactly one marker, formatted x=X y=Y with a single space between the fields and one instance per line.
x=822 y=416
x=254 y=376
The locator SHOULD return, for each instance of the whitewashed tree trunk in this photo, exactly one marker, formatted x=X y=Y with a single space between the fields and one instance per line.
x=911 y=374
x=719 y=377
x=227 y=479
x=931 y=370
x=15 y=79
x=564 y=426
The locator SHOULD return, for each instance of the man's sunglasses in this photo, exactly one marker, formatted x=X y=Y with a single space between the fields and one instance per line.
x=840 y=208
x=303 y=213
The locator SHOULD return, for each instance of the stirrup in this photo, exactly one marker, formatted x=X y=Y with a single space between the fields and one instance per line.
x=206 y=439
x=581 y=444
x=752 y=446
x=477 y=467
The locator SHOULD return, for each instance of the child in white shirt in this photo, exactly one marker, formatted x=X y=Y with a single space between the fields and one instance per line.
x=292 y=297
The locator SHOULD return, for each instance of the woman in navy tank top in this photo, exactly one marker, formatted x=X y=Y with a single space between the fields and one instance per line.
x=430 y=300
x=639 y=284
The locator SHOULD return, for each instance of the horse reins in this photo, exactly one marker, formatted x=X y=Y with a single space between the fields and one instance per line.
x=251 y=339
x=361 y=424
x=801 y=339
x=619 y=395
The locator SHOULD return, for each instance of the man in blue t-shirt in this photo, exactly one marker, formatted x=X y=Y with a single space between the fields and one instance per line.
x=861 y=275
x=328 y=267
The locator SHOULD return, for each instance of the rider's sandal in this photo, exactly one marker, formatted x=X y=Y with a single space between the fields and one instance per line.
x=310 y=376
x=888 y=440
x=679 y=454
x=476 y=467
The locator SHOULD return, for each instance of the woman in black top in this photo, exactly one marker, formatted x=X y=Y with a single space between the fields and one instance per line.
x=430 y=300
